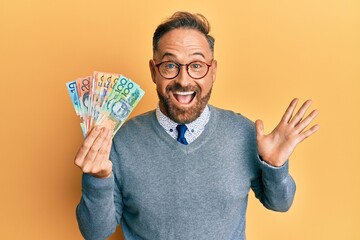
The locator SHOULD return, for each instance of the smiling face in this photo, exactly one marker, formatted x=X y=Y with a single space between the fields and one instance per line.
x=183 y=98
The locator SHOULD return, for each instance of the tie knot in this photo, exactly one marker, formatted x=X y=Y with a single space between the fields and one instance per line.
x=181 y=133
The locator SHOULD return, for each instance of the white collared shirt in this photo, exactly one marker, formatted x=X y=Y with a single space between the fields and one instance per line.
x=195 y=128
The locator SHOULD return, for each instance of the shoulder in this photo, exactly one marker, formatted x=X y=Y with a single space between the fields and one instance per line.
x=231 y=118
x=237 y=134
x=233 y=125
x=141 y=119
x=139 y=124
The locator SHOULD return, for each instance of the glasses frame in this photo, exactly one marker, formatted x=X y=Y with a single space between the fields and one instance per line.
x=187 y=68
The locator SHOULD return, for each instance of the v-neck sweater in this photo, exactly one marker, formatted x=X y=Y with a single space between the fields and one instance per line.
x=162 y=189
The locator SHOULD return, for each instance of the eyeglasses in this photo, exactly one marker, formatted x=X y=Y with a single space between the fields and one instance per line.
x=171 y=70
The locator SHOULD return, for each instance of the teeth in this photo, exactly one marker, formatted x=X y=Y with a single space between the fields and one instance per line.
x=184 y=93
x=184 y=97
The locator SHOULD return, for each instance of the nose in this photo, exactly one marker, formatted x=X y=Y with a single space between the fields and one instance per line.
x=183 y=78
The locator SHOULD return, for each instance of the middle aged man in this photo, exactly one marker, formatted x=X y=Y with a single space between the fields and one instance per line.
x=184 y=170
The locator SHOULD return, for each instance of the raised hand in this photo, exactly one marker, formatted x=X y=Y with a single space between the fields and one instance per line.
x=276 y=147
x=93 y=155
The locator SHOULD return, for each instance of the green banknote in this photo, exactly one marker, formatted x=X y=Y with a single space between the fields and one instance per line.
x=120 y=103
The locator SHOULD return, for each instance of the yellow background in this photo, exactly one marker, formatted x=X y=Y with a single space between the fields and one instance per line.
x=268 y=52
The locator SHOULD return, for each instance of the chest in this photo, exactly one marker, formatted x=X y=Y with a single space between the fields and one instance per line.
x=186 y=185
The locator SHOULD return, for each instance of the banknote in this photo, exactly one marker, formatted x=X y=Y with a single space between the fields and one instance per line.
x=103 y=99
x=120 y=103
x=83 y=86
x=78 y=95
x=104 y=83
x=71 y=86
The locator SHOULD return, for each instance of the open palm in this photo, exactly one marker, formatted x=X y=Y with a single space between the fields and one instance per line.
x=276 y=147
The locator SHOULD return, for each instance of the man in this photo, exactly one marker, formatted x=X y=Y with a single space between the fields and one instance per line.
x=184 y=170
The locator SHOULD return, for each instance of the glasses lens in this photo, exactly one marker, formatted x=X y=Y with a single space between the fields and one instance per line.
x=197 y=69
x=168 y=69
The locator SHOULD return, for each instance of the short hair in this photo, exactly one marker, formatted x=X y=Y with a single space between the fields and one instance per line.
x=194 y=21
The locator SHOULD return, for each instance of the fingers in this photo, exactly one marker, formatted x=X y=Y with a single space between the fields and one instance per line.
x=93 y=156
x=259 y=128
x=104 y=152
x=88 y=142
x=309 y=132
x=97 y=144
x=298 y=123
x=300 y=113
x=304 y=123
x=289 y=111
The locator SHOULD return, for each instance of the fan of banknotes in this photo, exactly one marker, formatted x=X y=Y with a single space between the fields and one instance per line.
x=104 y=99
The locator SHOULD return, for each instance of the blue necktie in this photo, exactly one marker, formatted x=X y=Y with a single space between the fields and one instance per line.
x=181 y=134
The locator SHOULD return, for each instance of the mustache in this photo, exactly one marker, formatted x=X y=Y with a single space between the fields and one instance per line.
x=176 y=87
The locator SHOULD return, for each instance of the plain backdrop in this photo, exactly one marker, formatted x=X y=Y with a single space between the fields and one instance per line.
x=268 y=52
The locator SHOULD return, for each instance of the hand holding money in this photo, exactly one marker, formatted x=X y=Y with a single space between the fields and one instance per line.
x=103 y=102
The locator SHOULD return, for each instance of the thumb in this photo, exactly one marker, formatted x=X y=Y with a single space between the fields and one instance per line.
x=259 y=128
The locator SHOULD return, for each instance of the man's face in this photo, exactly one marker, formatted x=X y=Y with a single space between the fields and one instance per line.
x=183 y=98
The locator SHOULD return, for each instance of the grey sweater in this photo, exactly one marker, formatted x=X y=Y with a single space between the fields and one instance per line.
x=162 y=189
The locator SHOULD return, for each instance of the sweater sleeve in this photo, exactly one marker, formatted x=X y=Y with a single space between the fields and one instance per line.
x=274 y=186
x=96 y=213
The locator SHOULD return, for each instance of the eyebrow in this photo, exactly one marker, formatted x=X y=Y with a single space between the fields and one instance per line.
x=172 y=55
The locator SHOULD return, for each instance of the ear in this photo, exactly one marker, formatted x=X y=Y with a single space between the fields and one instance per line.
x=152 y=69
x=213 y=69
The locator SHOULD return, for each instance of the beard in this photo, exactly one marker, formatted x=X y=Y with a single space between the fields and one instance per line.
x=183 y=115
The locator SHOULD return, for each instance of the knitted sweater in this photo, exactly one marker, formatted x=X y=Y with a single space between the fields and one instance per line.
x=162 y=189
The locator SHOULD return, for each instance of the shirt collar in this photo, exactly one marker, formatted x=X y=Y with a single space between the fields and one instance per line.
x=194 y=128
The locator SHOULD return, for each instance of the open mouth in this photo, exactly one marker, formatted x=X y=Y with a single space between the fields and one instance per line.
x=184 y=97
